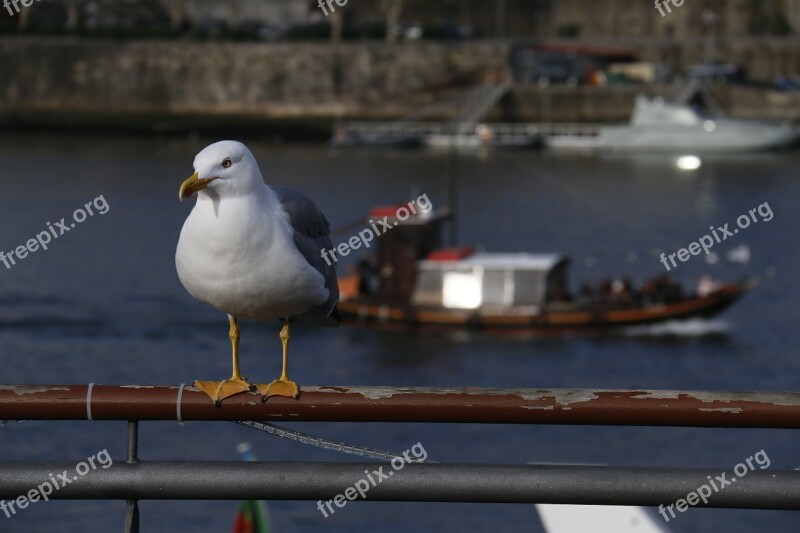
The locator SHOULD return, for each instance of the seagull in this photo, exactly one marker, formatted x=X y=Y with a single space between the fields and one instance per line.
x=253 y=251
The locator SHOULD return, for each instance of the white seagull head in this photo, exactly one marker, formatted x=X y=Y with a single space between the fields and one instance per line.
x=227 y=168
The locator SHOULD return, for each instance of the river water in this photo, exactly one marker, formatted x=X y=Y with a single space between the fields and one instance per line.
x=103 y=304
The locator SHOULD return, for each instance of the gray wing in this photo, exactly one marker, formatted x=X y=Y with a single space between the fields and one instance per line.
x=312 y=234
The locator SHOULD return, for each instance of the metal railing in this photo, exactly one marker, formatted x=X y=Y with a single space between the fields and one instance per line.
x=134 y=480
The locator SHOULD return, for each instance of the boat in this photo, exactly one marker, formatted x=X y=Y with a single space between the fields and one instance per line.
x=414 y=135
x=391 y=138
x=565 y=518
x=660 y=126
x=464 y=131
x=414 y=282
x=483 y=135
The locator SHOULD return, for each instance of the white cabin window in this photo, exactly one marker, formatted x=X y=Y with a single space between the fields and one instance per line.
x=495 y=290
x=462 y=290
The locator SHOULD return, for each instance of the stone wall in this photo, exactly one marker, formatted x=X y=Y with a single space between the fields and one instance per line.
x=267 y=80
x=57 y=78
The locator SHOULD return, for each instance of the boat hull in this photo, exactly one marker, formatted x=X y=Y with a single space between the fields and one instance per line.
x=727 y=136
x=588 y=318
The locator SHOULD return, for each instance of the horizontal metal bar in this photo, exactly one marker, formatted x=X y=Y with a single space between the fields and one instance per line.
x=387 y=404
x=413 y=482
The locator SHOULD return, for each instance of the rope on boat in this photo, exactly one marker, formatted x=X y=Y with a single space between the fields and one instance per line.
x=319 y=442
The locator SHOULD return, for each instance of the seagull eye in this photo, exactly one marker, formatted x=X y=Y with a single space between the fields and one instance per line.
x=227 y=163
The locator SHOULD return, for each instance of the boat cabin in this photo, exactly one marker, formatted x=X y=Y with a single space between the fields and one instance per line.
x=659 y=112
x=414 y=269
x=491 y=281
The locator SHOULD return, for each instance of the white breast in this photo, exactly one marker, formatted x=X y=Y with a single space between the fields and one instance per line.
x=239 y=256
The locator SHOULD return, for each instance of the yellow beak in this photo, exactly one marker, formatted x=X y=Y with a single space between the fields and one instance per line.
x=193 y=184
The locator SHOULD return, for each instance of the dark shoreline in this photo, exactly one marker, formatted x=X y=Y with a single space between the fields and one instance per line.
x=273 y=131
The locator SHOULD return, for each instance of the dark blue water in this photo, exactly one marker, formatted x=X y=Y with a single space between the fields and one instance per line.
x=104 y=305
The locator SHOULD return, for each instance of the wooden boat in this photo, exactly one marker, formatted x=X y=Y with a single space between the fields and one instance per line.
x=414 y=283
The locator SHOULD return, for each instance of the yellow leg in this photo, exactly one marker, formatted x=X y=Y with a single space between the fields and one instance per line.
x=219 y=390
x=282 y=386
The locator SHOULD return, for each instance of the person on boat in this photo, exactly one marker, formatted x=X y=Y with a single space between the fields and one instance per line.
x=668 y=289
x=605 y=290
x=706 y=286
x=661 y=289
x=587 y=291
x=619 y=292
x=368 y=274
x=623 y=291
x=635 y=296
x=648 y=292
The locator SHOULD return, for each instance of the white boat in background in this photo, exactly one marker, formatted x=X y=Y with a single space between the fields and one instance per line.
x=558 y=518
x=659 y=126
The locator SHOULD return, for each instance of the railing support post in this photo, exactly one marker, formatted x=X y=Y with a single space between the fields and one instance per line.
x=132 y=511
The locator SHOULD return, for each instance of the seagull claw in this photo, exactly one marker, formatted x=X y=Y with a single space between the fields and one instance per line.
x=219 y=390
x=279 y=387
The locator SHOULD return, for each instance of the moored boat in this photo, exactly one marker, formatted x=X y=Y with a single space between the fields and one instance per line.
x=659 y=126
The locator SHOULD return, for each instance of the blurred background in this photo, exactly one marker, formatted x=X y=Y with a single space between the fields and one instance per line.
x=608 y=132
